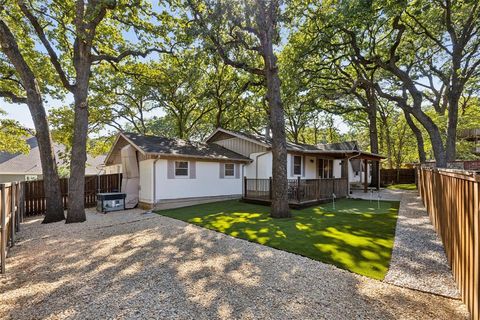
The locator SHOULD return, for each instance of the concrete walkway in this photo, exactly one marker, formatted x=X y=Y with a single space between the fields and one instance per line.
x=130 y=265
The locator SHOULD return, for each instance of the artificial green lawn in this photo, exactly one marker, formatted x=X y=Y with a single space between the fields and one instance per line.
x=356 y=235
x=403 y=186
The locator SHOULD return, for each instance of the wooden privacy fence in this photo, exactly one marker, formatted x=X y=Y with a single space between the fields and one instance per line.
x=396 y=176
x=452 y=200
x=11 y=209
x=35 y=193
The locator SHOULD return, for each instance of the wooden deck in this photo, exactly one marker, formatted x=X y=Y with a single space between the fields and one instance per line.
x=301 y=192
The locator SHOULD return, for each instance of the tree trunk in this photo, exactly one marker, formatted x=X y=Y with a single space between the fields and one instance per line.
x=76 y=184
x=451 y=143
x=418 y=135
x=51 y=181
x=280 y=208
x=435 y=137
x=373 y=134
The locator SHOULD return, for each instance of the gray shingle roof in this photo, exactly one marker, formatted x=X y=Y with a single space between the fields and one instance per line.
x=339 y=146
x=30 y=163
x=171 y=146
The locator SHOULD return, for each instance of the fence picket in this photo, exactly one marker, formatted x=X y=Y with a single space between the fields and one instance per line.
x=452 y=200
x=34 y=194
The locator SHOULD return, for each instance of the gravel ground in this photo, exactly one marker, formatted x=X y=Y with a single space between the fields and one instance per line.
x=127 y=265
x=418 y=258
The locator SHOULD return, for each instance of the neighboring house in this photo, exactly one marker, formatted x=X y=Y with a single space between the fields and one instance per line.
x=175 y=172
x=22 y=167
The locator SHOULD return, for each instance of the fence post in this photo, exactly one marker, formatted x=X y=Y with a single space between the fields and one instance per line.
x=3 y=237
x=245 y=186
x=12 y=213
x=22 y=201
x=476 y=259
x=298 y=189
x=270 y=188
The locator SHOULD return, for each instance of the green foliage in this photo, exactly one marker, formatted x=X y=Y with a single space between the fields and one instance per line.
x=355 y=235
x=12 y=136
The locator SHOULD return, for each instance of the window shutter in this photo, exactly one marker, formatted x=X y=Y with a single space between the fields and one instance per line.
x=192 y=166
x=222 y=170
x=303 y=165
x=237 y=170
x=171 y=169
x=292 y=164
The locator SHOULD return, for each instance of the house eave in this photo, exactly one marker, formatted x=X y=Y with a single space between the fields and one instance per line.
x=189 y=156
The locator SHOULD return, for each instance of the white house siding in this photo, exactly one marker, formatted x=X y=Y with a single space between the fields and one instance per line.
x=310 y=167
x=358 y=178
x=261 y=160
x=146 y=181
x=207 y=182
x=337 y=168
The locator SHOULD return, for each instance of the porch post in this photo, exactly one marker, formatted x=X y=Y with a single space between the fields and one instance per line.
x=245 y=186
x=298 y=189
x=365 y=183
x=379 y=179
x=270 y=188
x=347 y=166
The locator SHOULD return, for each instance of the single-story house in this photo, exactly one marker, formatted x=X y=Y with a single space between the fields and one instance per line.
x=230 y=164
x=174 y=172
x=24 y=167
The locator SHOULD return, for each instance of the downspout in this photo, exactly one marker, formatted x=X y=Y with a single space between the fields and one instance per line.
x=256 y=162
x=155 y=182
x=348 y=171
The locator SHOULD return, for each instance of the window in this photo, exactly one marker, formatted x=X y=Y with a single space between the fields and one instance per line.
x=229 y=169
x=325 y=168
x=181 y=168
x=31 y=177
x=297 y=165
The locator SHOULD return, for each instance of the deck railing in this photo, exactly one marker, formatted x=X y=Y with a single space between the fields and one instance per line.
x=299 y=190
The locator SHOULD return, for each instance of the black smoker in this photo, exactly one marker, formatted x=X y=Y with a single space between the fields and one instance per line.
x=112 y=201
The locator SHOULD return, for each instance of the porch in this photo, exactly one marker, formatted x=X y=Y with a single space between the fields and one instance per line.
x=301 y=192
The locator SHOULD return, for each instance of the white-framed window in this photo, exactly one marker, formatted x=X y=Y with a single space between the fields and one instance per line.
x=31 y=177
x=229 y=170
x=181 y=168
x=325 y=168
x=297 y=165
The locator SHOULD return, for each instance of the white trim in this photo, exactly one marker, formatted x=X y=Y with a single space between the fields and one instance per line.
x=187 y=176
x=225 y=171
x=120 y=134
x=188 y=156
x=240 y=136
x=293 y=165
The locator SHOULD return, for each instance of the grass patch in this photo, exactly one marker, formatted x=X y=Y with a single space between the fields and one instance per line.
x=355 y=236
x=403 y=186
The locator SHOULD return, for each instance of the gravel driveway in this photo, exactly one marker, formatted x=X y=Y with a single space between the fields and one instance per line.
x=129 y=265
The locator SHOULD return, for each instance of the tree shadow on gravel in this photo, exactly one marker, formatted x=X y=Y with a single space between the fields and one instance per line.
x=162 y=268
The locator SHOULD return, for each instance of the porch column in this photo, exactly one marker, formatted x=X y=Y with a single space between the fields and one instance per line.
x=379 y=179
x=346 y=166
x=365 y=182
